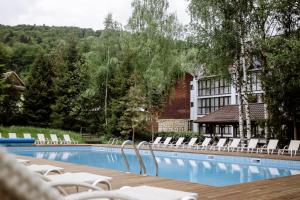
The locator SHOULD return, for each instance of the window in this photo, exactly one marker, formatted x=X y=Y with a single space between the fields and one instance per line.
x=255 y=82
x=209 y=105
x=213 y=86
x=192 y=104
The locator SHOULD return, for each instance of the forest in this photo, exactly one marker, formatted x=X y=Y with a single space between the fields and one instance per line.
x=113 y=81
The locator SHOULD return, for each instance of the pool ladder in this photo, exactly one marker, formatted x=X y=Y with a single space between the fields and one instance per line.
x=143 y=170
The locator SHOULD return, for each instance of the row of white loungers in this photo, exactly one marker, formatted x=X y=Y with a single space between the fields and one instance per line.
x=234 y=145
x=52 y=179
x=177 y=144
x=42 y=140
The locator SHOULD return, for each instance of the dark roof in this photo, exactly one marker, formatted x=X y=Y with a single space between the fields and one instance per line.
x=13 y=79
x=230 y=114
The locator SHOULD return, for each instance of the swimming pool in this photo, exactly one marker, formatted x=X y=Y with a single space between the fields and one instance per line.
x=205 y=169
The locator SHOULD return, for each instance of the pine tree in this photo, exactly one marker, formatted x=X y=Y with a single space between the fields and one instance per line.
x=71 y=82
x=39 y=94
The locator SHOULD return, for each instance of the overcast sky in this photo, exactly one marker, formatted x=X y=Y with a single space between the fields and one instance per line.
x=81 y=13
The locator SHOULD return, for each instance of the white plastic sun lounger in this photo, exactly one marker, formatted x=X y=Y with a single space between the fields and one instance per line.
x=178 y=143
x=12 y=135
x=41 y=139
x=270 y=148
x=251 y=146
x=190 y=144
x=54 y=139
x=166 y=142
x=204 y=144
x=25 y=162
x=156 y=141
x=45 y=169
x=68 y=140
x=93 y=179
x=219 y=145
x=234 y=144
x=292 y=148
x=143 y=192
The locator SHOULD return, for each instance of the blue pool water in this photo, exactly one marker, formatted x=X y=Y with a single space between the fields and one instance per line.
x=211 y=170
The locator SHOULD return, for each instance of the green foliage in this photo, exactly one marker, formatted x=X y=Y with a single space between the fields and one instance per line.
x=70 y=83
x=282 y=82
x=39 y=95
x=35 y=130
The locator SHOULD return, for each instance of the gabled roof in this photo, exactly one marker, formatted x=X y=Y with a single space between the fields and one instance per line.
x=230 y=114
x=13 y=79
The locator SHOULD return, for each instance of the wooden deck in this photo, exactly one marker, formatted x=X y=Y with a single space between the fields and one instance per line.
x=279 y=188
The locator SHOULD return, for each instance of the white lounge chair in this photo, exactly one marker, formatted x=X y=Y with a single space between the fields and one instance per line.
x=143 y=192
x=69 y=140
x=166 y=142
x=292 y=148
x=178 y=142
x=12 y=135
x=234 y=144
x=191 y=143
x=27 y=135
x=93 y=179
x=156 y=141
x=220 y=144
x=25 y=162
x=54 y=139
x=45 y=169
x=41 y=139
x=205 y=144
x=270 y=148
x=251 y=146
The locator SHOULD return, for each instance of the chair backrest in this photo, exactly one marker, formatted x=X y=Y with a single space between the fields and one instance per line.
x=167 y=140
x=206 y=142
x=67 y=138
x=54 y=137
x=12 y=135
x=27 y=135
x=179 y=141
x=157 y=140
x=272 y=144
x=41 y=137
x=192 y=141
x=221 y=142
x=294 y=145
x=252 y=143
x=235 y=142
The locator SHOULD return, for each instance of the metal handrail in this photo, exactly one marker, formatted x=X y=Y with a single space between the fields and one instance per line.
x=152 y=153
x=142 y=165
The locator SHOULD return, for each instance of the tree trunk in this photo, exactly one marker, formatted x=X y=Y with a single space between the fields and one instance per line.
x=105 y=99
x=240 y=102
x=106 y=88
x=245 y=87
x=266 y=115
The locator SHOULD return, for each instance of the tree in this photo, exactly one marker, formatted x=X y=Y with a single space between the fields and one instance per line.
x=135 y=116
x=39 y=95
x=226 y=27
x=70 y=83
x=156 y=51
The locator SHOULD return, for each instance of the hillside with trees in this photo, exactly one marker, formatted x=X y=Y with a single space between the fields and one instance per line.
x=114 y=80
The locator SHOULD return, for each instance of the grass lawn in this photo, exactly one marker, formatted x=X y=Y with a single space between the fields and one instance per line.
x=34 y=131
